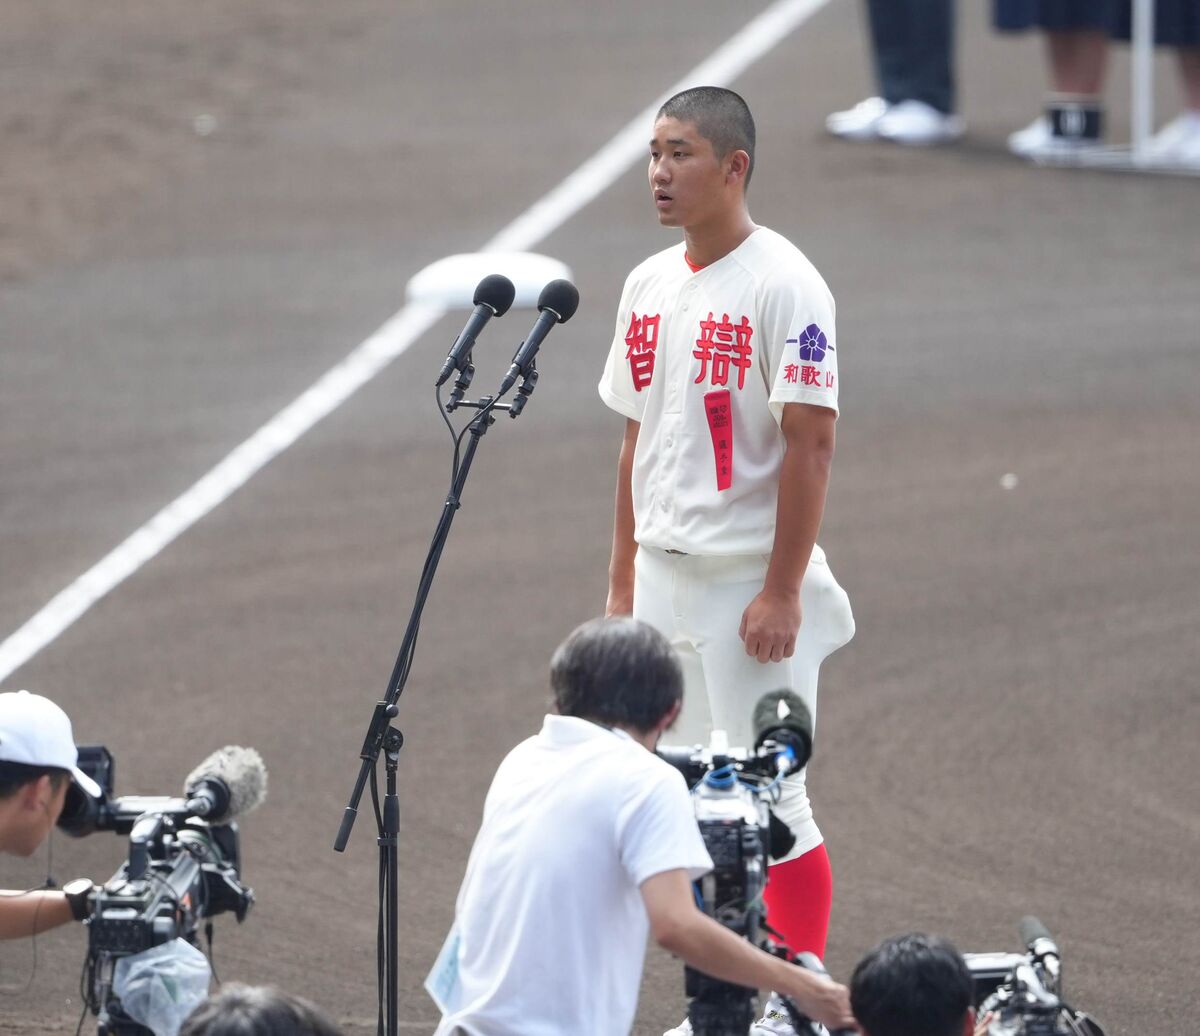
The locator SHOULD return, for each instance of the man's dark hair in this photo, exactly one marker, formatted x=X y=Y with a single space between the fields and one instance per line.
x=239 y=1010
x=15 y=775
x=721 y=116
x=617 y=671
x=911 y=985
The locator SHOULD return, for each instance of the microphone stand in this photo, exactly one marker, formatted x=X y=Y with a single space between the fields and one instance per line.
x=381 y=735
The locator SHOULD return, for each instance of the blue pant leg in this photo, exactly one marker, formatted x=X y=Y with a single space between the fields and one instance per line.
x=913 y=42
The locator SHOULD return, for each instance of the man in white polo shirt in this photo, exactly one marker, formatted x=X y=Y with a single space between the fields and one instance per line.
x=37 y=763
x=588 y=843
x=724 y=364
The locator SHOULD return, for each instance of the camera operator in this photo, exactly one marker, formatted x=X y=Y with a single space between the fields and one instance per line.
x=914 y=985
x=37 y=761
x=589 y=841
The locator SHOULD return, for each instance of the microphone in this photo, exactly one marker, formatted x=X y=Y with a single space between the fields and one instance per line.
x=493 y=295
x=1038 y=941
x=556 y=305
x=228 y=784
x=782 y=719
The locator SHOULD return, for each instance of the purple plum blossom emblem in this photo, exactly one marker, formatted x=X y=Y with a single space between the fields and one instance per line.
x=813 y=344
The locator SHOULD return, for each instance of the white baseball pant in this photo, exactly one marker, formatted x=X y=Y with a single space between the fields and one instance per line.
x=697 y=602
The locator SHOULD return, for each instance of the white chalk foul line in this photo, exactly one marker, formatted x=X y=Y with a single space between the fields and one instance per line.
x=338 y=384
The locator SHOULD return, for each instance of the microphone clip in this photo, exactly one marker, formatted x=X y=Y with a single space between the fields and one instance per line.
x=461 y=384
x=524 y=391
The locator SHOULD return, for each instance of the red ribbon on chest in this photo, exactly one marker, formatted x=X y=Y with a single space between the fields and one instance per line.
x=718 y=407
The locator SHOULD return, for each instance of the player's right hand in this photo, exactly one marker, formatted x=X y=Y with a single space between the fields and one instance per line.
x=770 y=625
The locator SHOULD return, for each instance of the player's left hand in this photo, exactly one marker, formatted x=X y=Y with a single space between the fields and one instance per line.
x=769 y=626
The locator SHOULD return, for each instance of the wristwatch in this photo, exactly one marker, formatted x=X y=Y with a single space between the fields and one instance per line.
x=78 y=891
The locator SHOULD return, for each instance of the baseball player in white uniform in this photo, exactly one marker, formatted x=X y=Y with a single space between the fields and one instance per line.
x=724 y=364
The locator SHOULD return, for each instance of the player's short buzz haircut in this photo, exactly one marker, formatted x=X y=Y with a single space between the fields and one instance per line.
x=619 y=672
x=911 y=985
x=721 y=116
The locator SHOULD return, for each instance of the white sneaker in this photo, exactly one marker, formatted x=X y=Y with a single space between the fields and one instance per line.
x=1178 y=142
x=1037 y=141
x=1034 y=137
x=684 y=1028
x=917 y=124
x=775 y=1020
x=859 y=122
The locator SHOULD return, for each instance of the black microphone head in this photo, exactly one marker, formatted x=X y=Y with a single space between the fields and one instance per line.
x=243 y=772
x=1031 y=930
x=783 y=710
x=496 y=292
x=561 y=298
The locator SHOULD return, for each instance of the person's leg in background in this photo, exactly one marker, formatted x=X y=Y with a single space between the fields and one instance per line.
x=1076 y=42
x=912 y=46
x=1177 y=24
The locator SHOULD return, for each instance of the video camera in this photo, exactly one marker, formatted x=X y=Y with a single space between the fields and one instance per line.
x=733 y=789
x=184 y=865
x=1024 y=990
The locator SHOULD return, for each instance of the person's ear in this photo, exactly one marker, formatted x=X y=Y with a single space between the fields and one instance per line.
x=969 y=1022
x=37 y=794
x=737 y=166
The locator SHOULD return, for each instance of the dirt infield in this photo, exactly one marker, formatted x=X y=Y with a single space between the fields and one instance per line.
x=206 y=206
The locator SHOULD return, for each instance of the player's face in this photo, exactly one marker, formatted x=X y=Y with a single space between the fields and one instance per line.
x=687 y=179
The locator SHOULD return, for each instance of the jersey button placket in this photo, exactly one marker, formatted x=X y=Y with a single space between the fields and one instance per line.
x=689 y=293
x=678 y=358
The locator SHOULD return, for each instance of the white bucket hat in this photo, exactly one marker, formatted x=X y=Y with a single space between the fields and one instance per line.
x=36 y=732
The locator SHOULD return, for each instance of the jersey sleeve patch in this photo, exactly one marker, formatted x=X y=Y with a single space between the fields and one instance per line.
x=808 y=370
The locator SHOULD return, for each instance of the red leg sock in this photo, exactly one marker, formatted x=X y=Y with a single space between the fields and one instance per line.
x=798 y=897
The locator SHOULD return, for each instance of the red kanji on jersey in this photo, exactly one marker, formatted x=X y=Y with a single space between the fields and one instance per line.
x=721 y=345
x=642 y=339
x=791 y=372
x=810 y=376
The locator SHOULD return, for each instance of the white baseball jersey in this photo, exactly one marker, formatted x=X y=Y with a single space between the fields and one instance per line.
x=705 y=362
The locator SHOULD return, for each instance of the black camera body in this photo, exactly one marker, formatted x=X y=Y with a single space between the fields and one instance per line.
x=1023 y=991
x=181 y=870
x=734 y=824
x=732 y=791
x=177 y=874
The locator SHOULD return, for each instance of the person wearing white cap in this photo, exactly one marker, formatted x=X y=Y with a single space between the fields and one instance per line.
x=38 y=760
